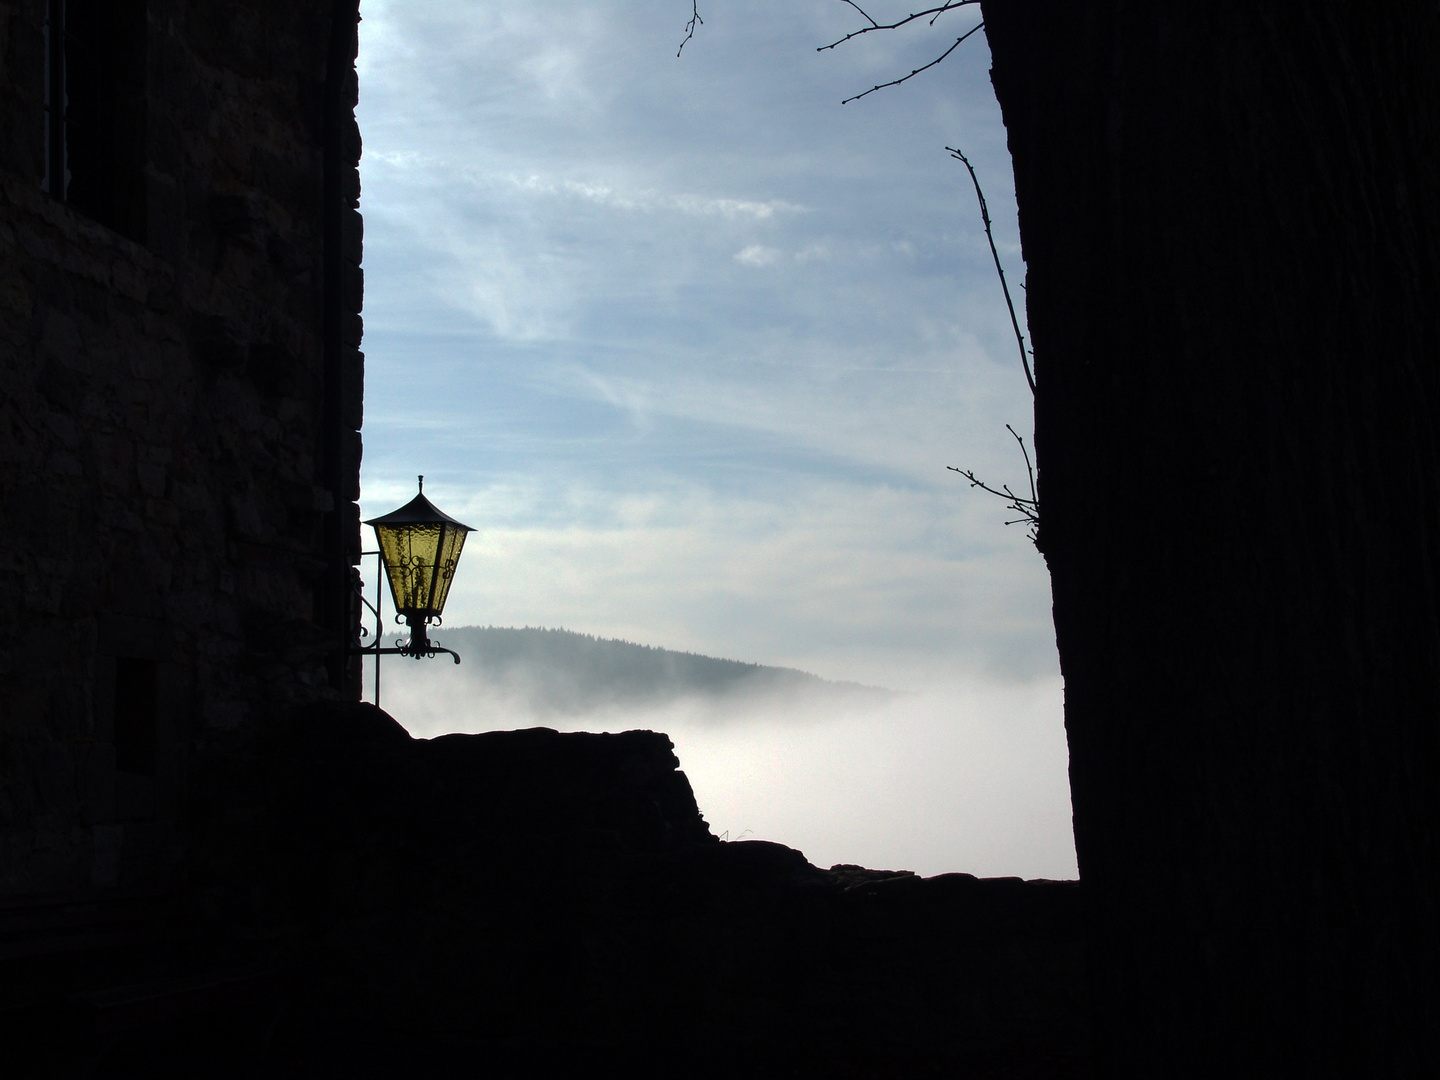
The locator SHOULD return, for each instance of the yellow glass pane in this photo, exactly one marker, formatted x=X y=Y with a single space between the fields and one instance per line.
x=409 y=553
x=450 y=545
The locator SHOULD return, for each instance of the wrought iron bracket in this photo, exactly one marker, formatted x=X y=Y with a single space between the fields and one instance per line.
x=426 y=651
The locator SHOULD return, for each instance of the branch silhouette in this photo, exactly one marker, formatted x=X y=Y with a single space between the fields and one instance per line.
x=695 y=20
x=1028 y=509
x=917 y=71
x=934 y=12
x=999 y=269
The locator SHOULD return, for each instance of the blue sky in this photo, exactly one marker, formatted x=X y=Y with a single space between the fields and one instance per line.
x=690 y=343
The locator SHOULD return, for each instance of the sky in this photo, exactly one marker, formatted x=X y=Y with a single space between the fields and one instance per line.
x=690 y=344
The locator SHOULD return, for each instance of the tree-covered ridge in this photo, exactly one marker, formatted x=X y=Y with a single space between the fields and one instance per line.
x=561 y=671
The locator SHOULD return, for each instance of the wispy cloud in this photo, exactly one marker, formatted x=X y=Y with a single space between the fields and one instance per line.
x=757 y=255
x=642 y=200
x=798 y=578
x=691 y=345
x=735 y=208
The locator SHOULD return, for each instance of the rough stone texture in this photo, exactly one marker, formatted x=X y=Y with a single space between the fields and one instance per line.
x=166 y=492
x=532 y=904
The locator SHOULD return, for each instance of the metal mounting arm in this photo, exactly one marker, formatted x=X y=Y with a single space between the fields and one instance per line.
x=428 y=651
x=417 y=647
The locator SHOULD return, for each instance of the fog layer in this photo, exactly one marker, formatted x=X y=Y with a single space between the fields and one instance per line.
x=966 y=775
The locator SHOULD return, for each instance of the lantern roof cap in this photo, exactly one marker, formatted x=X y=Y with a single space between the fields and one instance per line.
x=418 y=511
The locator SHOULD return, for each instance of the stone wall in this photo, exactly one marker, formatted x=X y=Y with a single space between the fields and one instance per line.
x=178 y=522
x=533 y=904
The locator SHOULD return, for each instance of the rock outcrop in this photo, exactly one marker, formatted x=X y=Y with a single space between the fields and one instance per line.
x=532 y=903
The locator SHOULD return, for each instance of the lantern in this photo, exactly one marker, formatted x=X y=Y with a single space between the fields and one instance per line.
x=419 y=548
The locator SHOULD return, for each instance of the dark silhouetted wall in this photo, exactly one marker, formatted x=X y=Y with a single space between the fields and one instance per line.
x=1233 y=246
x=179 y=409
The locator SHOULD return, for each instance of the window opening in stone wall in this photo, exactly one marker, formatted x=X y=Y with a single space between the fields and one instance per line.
x=806 y=330
x=95 y=110
x=136 y=715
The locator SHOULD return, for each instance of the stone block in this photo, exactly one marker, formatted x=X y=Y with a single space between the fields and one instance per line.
x=162 y=513
x=62 y=426
x=273 y=369
x=60 y=337
x=128 y=635
x=99 y=784
x=353 y=288
x=69 y=708
x=129 y=281
x=106 y=845
x=27 y=708
x=82 y=591
x=54 y=772
x=237 y=218
x=134 y=797
x=152 y=479
x=352 y=232
x=63 y=464
x=217 y=341
x=350 y=531
x=350 y=187
x=164 y=218
x=352 y=389
x=350 y=464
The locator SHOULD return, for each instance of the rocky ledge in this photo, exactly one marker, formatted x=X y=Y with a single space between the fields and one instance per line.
x=531 y=903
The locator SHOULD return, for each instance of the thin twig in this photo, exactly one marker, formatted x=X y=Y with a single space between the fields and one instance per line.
x=695 y=20
x=917 y=71
x=999 y=269
x=1029 y=468
x=873 y=24
x=1028 y=509
x=935 y=12
x=1003 y=491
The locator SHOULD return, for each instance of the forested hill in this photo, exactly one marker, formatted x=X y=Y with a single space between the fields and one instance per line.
x=560 y=671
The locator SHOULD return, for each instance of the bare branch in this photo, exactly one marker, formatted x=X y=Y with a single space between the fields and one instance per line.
x=934 y=12
x=695 y=20
x=917 y=71
x=1028 y=509
x=990 y=236
x=1029 y=468
x=1003 y=491
x=873 y=24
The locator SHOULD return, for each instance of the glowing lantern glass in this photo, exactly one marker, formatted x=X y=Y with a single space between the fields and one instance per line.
x=420 y=547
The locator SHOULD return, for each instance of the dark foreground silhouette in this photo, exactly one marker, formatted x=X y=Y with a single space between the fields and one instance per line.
x=1232 y=259
x=529 y=903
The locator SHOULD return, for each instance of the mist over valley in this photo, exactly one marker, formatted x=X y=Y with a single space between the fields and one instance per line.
x=553 y=674
x=962 y=774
